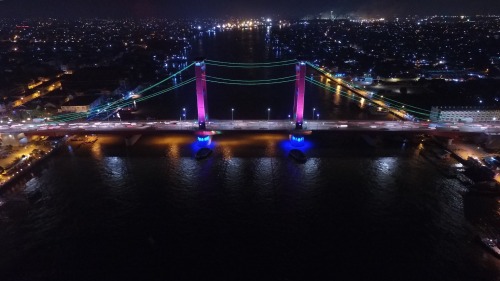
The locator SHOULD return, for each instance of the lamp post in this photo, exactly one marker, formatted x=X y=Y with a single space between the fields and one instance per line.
x=184 y=113
x=289 y=117
x=232 y=114
x=268 y=113
x=29 y=114
x=317 y=115
x=314 y=109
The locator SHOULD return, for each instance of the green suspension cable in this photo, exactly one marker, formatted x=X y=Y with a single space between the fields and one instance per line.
x=249 y=66
x=395 y=101
x=359 y=99
x=140 y=92
x=250 y=84
x=128 y=102
x=251 y=63
x=344 y=94
x=403 y=104
x=166 y=90
x=251 y=81
x=400 y=103
x=123 y=103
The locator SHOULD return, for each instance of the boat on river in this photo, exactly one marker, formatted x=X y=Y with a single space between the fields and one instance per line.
x=203 y=153
x=298 y=155
x=491 y=244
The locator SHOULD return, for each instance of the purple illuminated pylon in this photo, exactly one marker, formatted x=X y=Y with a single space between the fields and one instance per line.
x=300 y=83
x=201 y=93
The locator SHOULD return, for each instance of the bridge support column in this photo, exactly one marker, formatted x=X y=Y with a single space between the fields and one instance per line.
x=131 y=140
x=201 y=93
x=300 y=84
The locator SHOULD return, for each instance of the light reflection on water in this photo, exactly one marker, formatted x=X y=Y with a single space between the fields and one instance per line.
x=234 y=171
x=312 y=167
x=97 y=150
x=384 y=169
x=173 y=151
x=226 y=153
x=264 y=172
x=114 y=168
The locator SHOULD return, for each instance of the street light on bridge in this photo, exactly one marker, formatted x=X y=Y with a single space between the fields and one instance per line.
x=314 y=109
x=184 y=113
x=268 y=113
x=232 y=114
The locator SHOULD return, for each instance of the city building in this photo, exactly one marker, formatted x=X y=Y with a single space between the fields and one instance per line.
x=464 y=114
x=81 y=104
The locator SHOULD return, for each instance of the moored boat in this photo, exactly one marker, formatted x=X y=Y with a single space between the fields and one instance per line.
x=203 y=153
x=491 y=244
x=298 y=155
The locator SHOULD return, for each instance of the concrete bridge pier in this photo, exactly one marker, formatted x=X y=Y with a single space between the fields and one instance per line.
x=131 y=140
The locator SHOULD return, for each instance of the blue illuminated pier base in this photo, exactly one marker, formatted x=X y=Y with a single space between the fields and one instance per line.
x=297 y=140
x=204 y=140
x=298 y=137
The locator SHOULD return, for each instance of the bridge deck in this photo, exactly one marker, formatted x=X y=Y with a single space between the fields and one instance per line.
x=243 y=125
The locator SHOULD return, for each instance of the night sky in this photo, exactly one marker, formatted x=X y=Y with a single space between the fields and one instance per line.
x=245 y=8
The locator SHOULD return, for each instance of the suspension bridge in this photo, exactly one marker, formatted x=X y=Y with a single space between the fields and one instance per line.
x=412 y=118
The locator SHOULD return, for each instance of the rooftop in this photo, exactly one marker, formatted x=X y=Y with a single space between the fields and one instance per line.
x=81 y=100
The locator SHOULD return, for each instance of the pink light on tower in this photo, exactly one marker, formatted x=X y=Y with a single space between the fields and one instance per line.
x=300 y=83
x=201 y=93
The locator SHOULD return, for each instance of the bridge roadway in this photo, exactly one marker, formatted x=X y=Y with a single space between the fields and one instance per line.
x=140 y=127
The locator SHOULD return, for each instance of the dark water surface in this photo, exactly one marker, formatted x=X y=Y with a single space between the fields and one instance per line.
x=152 y=212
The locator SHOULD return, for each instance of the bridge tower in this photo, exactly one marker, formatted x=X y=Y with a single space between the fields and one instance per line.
x=300 y=84
x=201 y=93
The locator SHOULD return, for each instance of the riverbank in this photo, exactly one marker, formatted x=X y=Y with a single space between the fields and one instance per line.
x=16 y=162
x=462 y=151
